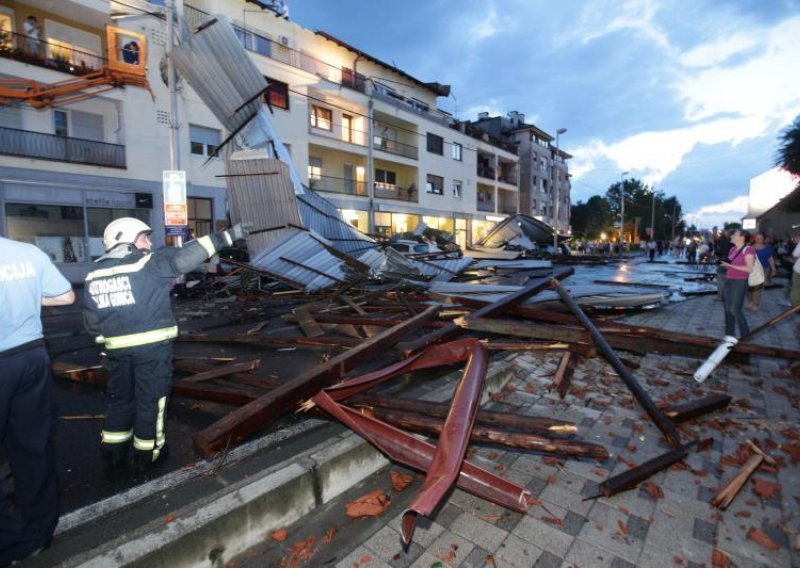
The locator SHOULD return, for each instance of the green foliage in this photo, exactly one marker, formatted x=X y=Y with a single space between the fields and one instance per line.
x=789 y=151
x=590 y=219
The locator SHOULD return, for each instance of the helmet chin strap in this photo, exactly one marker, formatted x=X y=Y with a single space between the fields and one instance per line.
x=120 y=251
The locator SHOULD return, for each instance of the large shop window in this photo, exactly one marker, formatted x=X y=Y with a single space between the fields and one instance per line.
x=60 y=230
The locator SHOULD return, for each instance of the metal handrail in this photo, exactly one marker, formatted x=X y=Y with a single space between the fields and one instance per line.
x=42 y=53
x=28 y=144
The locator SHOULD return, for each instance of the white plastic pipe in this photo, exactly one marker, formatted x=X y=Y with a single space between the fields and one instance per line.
x=715 y=359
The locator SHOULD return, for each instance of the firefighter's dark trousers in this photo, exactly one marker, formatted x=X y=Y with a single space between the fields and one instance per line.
x=27 y=520
x=138 y=385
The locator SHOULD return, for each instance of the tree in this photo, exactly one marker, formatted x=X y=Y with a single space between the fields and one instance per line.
x=789 y=151
x=592 y=218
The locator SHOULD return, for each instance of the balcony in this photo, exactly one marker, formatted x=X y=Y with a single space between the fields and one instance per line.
x=398 y=193
x=486 y=172
x=41 y=53
x=26 y=144
x=395 y=147
x=338 y=185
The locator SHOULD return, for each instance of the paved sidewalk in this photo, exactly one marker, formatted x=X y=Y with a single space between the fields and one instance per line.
x=668 y=523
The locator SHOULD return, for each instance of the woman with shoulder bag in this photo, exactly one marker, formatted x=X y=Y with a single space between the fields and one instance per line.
x=739 y=265
x=765 y=254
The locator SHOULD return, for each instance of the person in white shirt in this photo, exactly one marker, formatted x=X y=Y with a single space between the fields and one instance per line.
x=794 y=294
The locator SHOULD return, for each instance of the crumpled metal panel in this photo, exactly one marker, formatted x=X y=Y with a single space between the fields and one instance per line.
x=212 y=61
x=305 y=260
x=520 y=226
x=322 y=217
x=392 y=263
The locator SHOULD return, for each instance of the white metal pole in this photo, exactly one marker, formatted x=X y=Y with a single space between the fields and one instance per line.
x=556 y=192
x=622 y=211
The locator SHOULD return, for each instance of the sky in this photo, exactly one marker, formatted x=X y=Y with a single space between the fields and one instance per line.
x=688 y=96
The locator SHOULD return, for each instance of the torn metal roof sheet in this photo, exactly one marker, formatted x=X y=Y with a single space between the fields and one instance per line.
x=306 y=260
x=523 y=227
x=391 y=263
x=322 y=216
x=491 y=253
x=598 y=296
x=521 y=264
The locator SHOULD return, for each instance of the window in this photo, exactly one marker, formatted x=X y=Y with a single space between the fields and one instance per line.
x=203 y=141
x=457 y=188
x=434 y=184
x=347 y=128
x=456 y=151
x=385 y=179
x=435 y=144
x=321 y=117
x=314 y=168
x=385 y=138
x=60 y=123
x=278 y=94
x=200 y=217
x=87 y=125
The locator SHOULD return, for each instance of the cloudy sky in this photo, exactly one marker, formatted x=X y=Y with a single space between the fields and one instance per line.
x=687 y=95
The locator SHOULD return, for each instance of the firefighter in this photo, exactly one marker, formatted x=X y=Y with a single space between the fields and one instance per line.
x=127 y=306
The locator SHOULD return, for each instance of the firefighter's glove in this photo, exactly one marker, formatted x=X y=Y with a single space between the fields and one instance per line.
x=238 y=231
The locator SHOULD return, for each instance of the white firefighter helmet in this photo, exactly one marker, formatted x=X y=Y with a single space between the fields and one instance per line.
x=124 y=230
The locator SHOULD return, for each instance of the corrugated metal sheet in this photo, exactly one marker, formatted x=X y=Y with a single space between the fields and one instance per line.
x=586 y=295
x=443 y=269
x=392 y=263
x=321 y=216
x=219 y=70
x=261 y=193
x=521 y=264
x=517 y=226
x=305 y=260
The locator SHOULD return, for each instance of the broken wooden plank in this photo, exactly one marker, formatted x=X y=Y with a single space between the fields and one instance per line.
x=509 y=301
x=422 y=424
x=695 y=408
x=307 y=323
x=547 y=426
x=656 y=415
x=632 y=477
x=223 y=371
x=726 y=495
x=560 y=381
x=243 y=421
x=272 y=340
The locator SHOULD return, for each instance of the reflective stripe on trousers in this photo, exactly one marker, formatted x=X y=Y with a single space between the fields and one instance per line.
x=115 y=437
x=143 y=338
x=154 y=445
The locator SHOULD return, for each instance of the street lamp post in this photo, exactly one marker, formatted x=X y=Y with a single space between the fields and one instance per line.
x=622 y=210
x=653 y=217
x=556 y=194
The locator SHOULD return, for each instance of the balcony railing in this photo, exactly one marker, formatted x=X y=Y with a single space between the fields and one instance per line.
x=48 y=54
x=385 y=191
x=338 y=185
x=26 y=144
x=395 y=147
x=486 y=173
x=486 y=206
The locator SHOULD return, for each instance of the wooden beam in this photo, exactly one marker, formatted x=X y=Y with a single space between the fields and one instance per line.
x=223 y=371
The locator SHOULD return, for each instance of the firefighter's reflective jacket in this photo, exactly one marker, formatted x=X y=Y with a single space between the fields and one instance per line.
x=126 y=300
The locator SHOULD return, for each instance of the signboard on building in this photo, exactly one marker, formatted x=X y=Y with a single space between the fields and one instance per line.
x=749 y=223
x=176 y=213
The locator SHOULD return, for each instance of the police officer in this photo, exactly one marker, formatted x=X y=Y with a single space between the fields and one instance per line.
x=127 y=306
x=28 y=280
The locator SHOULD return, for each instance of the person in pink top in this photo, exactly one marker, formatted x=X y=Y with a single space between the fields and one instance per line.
x=740 y=262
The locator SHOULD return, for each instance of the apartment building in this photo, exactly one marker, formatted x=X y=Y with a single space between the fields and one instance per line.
x=544 y=185
x=366 y=135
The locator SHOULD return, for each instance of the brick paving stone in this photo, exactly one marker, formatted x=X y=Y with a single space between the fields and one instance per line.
x=406 y=557
x=426 y=530
x=362 y=556
x=637 y=527
x=543 y=536
x=584 y=553
x=548 y=560
x=573 y=523
x=478 y=531
x=621 y=563
x=514 y=552
x=445 y=515
x=607 y=528
x=385 y=543
x=478 y=558
x=704 y=531
x=508 y=520
x=450 y=548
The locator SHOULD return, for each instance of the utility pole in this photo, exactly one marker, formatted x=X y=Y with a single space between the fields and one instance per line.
x=556 y=194
x=653 y=217
x=622 y=210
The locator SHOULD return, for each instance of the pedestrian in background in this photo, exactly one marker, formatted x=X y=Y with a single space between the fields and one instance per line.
x=740 y=262
x=766 y=256
x=127 y=306
x=722 y=246
x=794 y=294
x=28 y=281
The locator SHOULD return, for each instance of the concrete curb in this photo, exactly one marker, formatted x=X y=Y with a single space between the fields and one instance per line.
x=214 y=528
